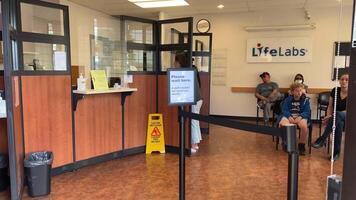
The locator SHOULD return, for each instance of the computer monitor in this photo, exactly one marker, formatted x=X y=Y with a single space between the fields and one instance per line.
x=113 y=80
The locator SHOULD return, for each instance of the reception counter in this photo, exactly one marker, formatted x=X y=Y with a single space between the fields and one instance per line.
x=99 y=123
x=82 y=128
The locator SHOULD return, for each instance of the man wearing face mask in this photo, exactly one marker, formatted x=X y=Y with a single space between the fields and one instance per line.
x=266 y=93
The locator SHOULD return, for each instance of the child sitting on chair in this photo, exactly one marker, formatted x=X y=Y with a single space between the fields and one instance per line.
x=296 y=110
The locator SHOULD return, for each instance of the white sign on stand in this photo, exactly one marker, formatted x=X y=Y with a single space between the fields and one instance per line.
x=181 y=86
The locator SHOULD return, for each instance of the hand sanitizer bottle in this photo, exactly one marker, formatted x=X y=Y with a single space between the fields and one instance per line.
x=81 y=83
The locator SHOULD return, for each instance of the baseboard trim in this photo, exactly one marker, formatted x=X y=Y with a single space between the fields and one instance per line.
x=173 y=149
x=134 y=151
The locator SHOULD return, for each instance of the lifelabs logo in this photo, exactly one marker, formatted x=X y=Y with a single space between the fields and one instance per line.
x=280 y=51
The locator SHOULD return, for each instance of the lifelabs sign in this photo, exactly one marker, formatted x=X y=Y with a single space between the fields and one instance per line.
x=181 y=86
x=289 y=49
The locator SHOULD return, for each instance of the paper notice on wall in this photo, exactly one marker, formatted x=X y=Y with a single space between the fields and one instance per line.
x=128 y=78
x=60 y=61
x=340 y=61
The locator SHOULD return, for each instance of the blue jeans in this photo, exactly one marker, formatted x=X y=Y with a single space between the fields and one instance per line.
x=340 y=122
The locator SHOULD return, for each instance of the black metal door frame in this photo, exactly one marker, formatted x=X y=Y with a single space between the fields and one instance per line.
x=9 y=21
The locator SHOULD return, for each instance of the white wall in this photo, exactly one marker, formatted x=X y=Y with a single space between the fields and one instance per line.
x=228 y=33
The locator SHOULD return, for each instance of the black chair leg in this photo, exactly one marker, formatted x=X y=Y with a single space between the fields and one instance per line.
x=320 y=122
x=310 y=137
x=257 y=115
x=277 y=142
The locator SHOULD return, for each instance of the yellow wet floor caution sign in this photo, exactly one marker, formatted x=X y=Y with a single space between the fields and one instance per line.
x=155 y=134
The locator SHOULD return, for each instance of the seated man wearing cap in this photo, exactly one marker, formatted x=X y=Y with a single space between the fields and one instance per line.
x=266 y=93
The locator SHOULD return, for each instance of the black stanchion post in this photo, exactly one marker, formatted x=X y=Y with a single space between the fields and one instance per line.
x=293 y=159
x=181 y=155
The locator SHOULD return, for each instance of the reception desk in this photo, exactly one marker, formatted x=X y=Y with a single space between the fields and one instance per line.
x=82 y=128
x=99 y=123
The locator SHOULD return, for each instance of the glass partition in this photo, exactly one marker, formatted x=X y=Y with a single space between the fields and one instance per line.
x=140 y=60
x=202 y=51
x=175 y=38
x=42 y=56
x=139 y=32
x=40 y=19
x=106 y=49
x=140 y=44
x=42 y=38
x=173 y=33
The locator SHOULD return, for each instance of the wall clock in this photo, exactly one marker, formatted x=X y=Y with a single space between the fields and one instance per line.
x=203 y=26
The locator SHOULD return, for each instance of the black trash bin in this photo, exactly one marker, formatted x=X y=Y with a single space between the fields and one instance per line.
x=4 y=177
x=38 y=167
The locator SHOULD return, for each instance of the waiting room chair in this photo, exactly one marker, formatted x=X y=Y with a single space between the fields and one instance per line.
x=323 y=102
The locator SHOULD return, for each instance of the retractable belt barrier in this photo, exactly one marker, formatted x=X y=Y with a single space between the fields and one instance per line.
x=278 y=132
x=287 y=133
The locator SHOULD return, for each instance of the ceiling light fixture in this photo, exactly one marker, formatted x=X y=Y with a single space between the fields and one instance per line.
x=159 y=3
x=220 y=6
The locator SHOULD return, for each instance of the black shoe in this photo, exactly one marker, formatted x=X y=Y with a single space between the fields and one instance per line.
x=336 y=157
x=301 y=149
x=318 y=143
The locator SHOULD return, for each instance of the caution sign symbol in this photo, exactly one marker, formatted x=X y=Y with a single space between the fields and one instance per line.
x=155 y=134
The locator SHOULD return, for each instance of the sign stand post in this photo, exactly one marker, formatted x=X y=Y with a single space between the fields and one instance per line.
x=181 y=156
x=181 y=92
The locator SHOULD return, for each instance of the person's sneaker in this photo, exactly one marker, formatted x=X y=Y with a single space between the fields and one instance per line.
x=318 y=143
x=192 y=150
x=301 y=149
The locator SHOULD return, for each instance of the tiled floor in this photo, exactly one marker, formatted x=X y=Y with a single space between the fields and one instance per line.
x=230 y=164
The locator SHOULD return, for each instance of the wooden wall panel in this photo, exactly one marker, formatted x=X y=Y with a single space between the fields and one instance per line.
x=170 y=116
x=137 y=108
x=2 y=85
x=47 y=116
x=98 y=125
x=205 y=92
x=3 y=135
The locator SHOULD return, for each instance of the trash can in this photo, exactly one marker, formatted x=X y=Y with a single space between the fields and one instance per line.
x=38 y=167
x=4 y=178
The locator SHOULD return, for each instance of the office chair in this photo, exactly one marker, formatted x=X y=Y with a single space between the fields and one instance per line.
x=323 y=102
